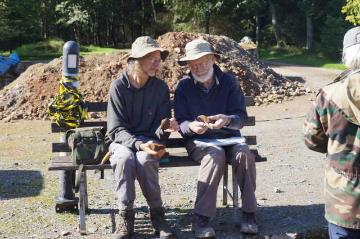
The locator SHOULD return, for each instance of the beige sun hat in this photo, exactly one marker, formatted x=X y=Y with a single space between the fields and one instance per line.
x=144 y=45
x=195 y=49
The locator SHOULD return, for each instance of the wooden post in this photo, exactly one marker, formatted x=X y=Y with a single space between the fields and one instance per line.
x=235 y=196
x=225 y=185
x=83 y=202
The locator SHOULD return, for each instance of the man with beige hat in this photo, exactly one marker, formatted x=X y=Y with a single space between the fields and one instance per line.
x=138 y=102
x=207 y=91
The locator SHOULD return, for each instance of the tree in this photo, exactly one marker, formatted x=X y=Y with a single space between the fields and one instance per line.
x=72 y=14
x=274 y=22
x=201 y=13
x=352 y=11
x=19 y=22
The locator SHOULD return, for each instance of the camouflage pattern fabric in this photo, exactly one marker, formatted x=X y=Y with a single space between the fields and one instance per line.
x=332 y=127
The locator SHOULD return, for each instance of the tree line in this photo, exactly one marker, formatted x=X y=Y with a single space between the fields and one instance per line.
x=313 y=24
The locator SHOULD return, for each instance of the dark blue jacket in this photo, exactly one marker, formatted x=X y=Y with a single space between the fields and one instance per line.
x=224 y=97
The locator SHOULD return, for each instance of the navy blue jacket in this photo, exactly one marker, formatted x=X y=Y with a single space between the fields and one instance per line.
x=224 y=97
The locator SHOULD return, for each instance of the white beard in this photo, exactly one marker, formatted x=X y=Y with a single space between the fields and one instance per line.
x=205 y=77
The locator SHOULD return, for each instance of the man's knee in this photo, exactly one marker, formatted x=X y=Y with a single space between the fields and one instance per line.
x=145 y=160
x=121 y=155
x=216 y=155
x=244 y=156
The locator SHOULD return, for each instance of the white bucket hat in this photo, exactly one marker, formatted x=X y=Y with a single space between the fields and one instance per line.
x=352 y=37
x=195 y=49
x=144 y=45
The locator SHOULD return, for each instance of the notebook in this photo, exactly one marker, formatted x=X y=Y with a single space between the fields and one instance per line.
x=222 y=142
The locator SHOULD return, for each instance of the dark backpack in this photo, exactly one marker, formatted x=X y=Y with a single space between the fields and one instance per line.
x=87 y=145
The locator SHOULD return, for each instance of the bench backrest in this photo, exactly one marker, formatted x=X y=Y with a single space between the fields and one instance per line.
x=172 y=143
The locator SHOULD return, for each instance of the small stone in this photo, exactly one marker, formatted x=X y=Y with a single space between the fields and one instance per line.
x=277 y=190
x=292 y=235
x=65 y=233
x=94 y=115
x=281 y=237
x=92 y=229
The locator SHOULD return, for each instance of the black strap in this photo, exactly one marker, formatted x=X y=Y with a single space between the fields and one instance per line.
x=77 y=180
x=342 y=75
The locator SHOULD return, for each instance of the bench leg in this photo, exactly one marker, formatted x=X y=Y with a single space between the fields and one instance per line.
x=225 y=186
x=83 y=202
x=86 y=193
x=235 y=196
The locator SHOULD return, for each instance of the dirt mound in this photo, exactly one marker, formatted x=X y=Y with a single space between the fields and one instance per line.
x=28 y=96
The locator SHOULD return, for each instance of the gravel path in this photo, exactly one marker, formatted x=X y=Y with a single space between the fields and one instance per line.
x=289 y=184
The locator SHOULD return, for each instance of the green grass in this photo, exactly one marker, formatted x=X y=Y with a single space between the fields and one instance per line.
x=91 y=49
x=298 y=56
x=52 y=48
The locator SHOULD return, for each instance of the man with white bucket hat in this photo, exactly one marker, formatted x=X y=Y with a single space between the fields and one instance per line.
x=207 y=91
x=138 y=102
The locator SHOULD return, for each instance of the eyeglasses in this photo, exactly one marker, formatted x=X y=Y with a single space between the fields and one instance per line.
x=153 y=60
x=201 y=62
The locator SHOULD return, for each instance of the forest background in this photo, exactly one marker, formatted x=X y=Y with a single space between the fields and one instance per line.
x=316 y=26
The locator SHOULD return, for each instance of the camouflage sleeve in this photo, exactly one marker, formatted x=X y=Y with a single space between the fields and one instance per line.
x=314 y=132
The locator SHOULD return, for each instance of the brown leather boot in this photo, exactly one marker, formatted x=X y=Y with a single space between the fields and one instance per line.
x=125 y=228
x=157 y=216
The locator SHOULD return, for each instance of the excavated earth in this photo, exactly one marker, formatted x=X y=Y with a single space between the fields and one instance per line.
x=28 y=96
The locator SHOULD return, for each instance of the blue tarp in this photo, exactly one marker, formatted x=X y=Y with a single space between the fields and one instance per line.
x=7 y=62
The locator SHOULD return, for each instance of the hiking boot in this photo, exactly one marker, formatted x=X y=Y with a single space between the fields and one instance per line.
x=125 y=228
x=201 y=227
x=162 y=228
x=248 y=224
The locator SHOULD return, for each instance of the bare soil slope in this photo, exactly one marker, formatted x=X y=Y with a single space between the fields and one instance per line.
x=28 y=96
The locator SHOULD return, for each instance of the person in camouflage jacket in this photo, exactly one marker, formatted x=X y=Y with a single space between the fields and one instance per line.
x=332 y=126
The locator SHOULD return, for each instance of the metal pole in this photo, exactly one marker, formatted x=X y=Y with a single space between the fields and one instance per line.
x=67 y=200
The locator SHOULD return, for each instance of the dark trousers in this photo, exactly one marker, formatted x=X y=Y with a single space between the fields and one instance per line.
x=337 y=232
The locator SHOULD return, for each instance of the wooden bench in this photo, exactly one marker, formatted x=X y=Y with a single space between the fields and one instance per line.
x=178 y=158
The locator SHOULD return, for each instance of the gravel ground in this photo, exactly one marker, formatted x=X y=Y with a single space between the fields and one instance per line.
x=289 y=184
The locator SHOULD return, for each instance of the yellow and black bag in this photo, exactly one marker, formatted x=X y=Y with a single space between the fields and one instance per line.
x=68 y=109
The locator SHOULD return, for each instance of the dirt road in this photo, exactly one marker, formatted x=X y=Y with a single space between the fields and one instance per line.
x=289 y=184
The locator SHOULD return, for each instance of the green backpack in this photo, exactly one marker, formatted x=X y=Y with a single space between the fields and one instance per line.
x=87 y=145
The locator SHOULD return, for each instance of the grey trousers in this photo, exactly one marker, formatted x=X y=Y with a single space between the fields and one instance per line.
x=128 y=166
x=213 y=161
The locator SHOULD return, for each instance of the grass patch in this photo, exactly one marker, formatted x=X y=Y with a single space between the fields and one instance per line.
x=91 y=49
x=52 y=48
x=41 y=50
x=299 y=56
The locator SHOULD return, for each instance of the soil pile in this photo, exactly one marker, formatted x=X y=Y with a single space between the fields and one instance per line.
x=28 y=96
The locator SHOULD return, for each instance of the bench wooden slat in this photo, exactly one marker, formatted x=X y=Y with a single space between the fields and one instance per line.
x=64 y=163
x=176 y=160
x=102 y=106
x=91 y=123
x=172 y=143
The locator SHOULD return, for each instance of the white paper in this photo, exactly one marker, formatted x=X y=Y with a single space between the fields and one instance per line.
x=72 y=61
x=222 y=142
